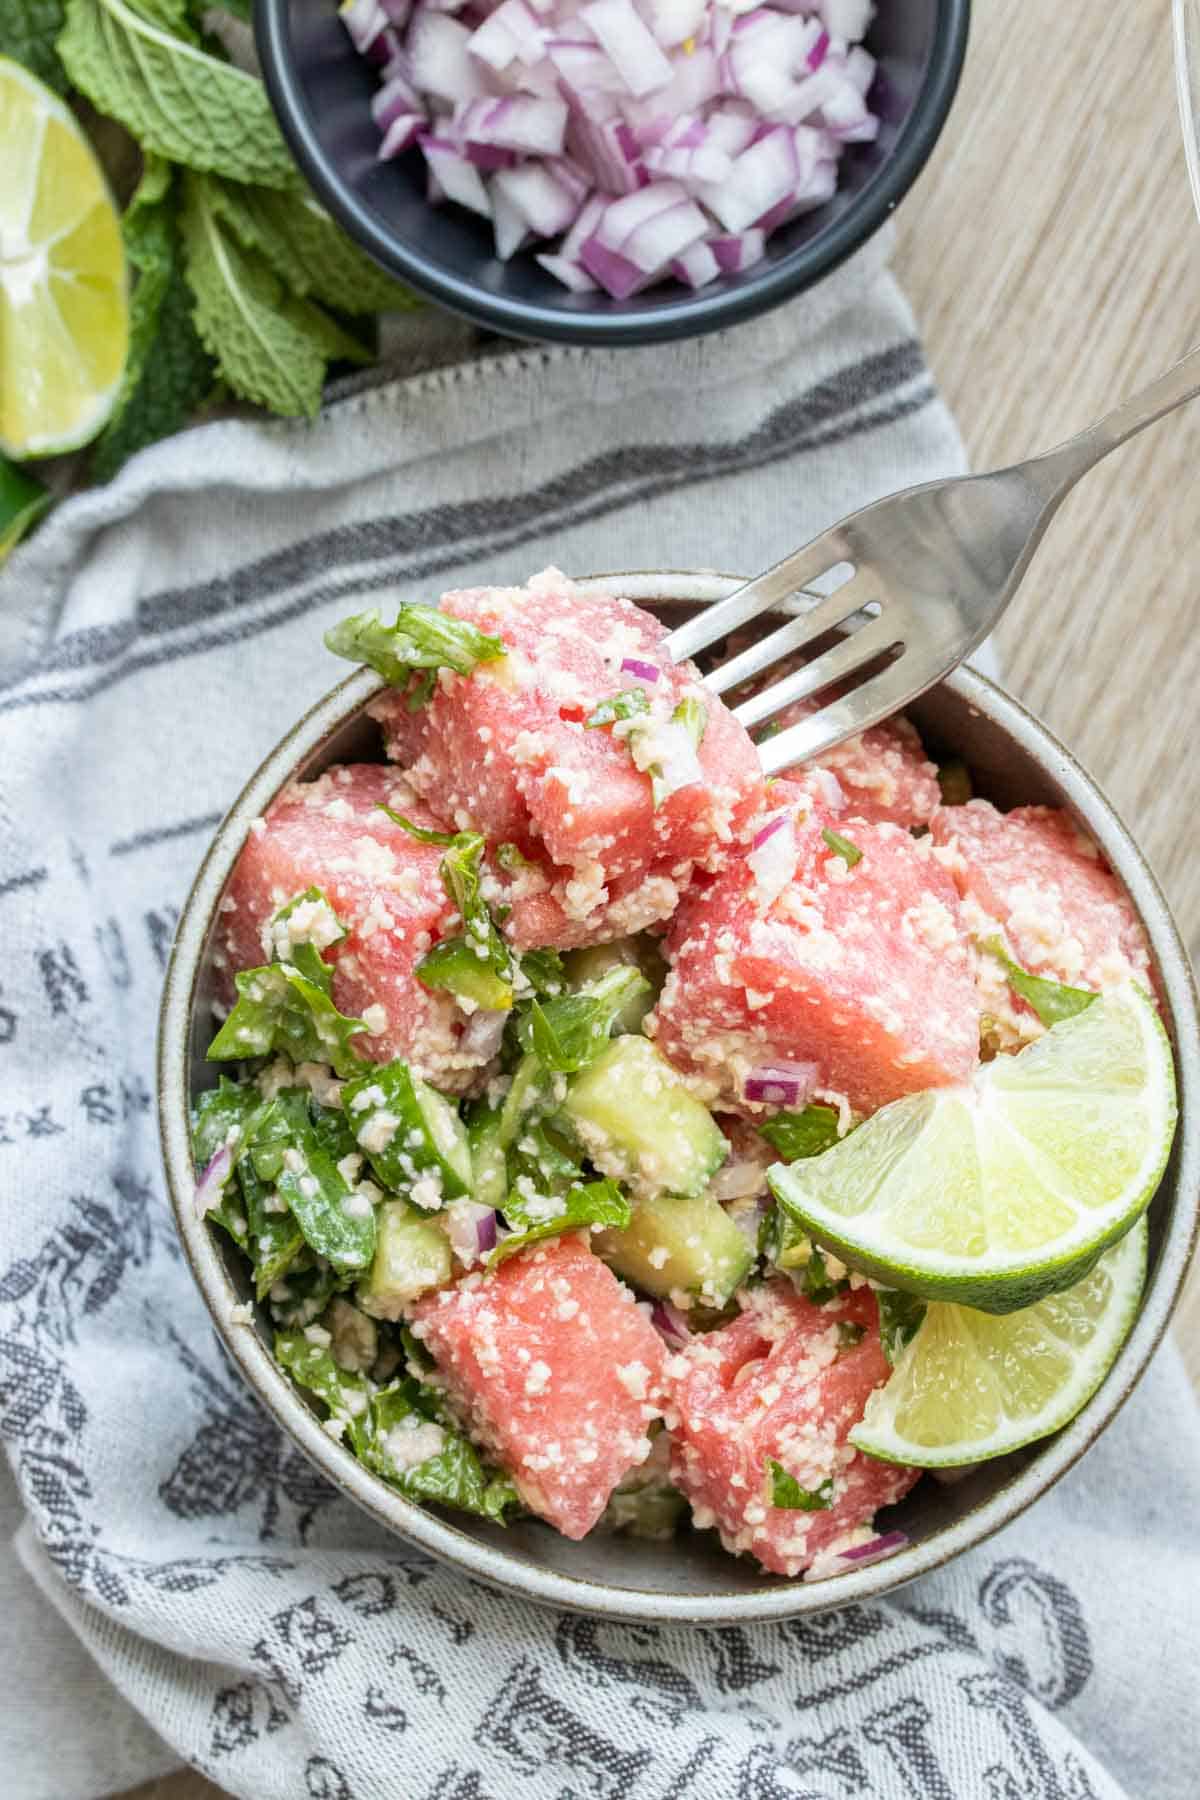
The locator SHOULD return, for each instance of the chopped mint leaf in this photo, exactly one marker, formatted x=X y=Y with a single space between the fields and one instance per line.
x=804 y=1133
x=280 y=1008
x=337 y=1223
x=478 y=965
x=842 y=846
x=625 y=705
x=537 y=1216
x=422 y=637
x=570 y=1032
x=692 y=714
x=407 y=1131
x=784 y=1241
x=954 y=779
x=424 y=834
x=543 y=970
x=1050 y=1000
x=528 y=1092
x=511 y=859
x=787 y=1493
x=900 y=1318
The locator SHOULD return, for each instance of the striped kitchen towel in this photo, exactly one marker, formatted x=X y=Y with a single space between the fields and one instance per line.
x=156 y=638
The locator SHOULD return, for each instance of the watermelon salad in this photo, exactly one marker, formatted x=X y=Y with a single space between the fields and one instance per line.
x=516 y=1018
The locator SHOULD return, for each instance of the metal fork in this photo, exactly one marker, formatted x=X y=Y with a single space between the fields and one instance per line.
x=931 y=571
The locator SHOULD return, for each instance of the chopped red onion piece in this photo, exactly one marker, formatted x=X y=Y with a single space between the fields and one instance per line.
x=457 y=178
x=402 y=134
x=569 y=273
x=739 y=251
x=846 y=18
x=819 y=50
x=769 y=830
x=539 y=199
x=670 y=1322
x=697 y=266
x=645 y=671
x=370 y=32
x=512 y=31
x=439 y=61
x=211 y=1184
x=509 y=227
x=609 y=152
x=760 y=178
x=583 y=70
x=780 y=1084
x=471 y=1229
x=485 y=1233
x=675 y=21
x=885 y=1545
x=582 y=229
x=521 y=122
x=399 y=12
x=630 y=47
x=859 y=69
x=395 y=99
x=615 y=274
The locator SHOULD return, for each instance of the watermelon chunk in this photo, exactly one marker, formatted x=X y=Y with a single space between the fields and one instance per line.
x=506 y=751
x=556 y=1372
x=1033 y=878
x=780 y=1384
x=385 y=887
x=864 y=971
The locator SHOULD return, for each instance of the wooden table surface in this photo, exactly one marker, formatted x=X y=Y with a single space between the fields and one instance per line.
x=1052 y=256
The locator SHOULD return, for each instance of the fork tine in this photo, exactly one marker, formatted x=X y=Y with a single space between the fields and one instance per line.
x=821 y=617
x=745 y=603
x=885 y=693
x=850 y=654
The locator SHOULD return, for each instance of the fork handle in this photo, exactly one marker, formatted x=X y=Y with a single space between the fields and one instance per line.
x=1062 y=466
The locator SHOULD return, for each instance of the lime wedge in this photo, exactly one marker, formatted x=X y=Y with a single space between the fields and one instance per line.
x=64 y=314
x=971 y=1385
x=996 y=1194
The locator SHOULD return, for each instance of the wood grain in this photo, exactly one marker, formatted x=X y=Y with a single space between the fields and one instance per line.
x=1052 y=257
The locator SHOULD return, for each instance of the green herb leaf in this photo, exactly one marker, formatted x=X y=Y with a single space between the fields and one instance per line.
x=142 y=64
x=625 y=705
x=591 y=1203
x=22 y=503
x=900 y=1318
x=168 y=372
x=424 y=834
x=309 y=253
x=511 y=860
x=270 y=346
x=543 y=970
x=421 y=638
x=479 y=964
x=568 y=1033
x=842 y=846
x=804 y=1133
x=279 y=1008
x=1050 y=1000
x=784 y=1241
x=28 y=30
x=421 y=1128
x=786 y=1492
x=336 y=1224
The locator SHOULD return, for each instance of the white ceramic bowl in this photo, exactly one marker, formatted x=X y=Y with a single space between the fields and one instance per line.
x=1014 y=760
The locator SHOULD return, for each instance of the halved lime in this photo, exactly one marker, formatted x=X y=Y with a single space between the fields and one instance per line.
x=64 y=309
x=971 y=1385
x=996 y=1194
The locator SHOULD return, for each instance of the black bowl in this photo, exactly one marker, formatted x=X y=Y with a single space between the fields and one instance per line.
x=321 y=90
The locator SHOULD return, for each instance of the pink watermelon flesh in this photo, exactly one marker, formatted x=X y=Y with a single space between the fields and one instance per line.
x=777 y=1384
x=556 y=1371
x=505 y=751
x=1032 y=877
x=385 y=887
x=864 y=971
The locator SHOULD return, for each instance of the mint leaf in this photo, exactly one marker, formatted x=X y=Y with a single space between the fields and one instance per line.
x=625 y=705
x=168 y=372
x=543 y=970
x=421 y=638
x=270 y=347
x=842 y=846
x=1050 y=1000
x=423 y=833
x=535 y=1216
x=900 y=1318
x=804 y=1133
x=478 y=965
x=511 y=859
x=568 y=1033
x=336 y=1223
x=141 y=64
x=786 y=1492
x=307 y=250
x=279 y=1008
x=28 y=30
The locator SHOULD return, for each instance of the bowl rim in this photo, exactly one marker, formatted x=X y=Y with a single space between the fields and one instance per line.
x=692 y=314
x=493 y=1563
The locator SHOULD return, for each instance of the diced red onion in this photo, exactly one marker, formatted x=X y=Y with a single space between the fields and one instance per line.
x=628 y=44
x=485 y=1233
x=726 y=118
x=670 y=1322
x=471 y=1229
x=780 y=1084
x=645 y=671
x=211 y=1184
x=772 y=860
x=769 y=830
x=885 y=1545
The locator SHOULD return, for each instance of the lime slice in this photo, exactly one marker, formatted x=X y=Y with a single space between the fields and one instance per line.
x=999 y=1193
x=971 y=1385
x=64 y=314
x=22 y=503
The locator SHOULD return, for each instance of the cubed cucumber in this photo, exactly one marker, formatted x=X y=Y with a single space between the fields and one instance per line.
x=679 y=1245
x=639 y=1123
x=585 y=966
x=489 y=1185
x=412 y=1254
x=408 y=1130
